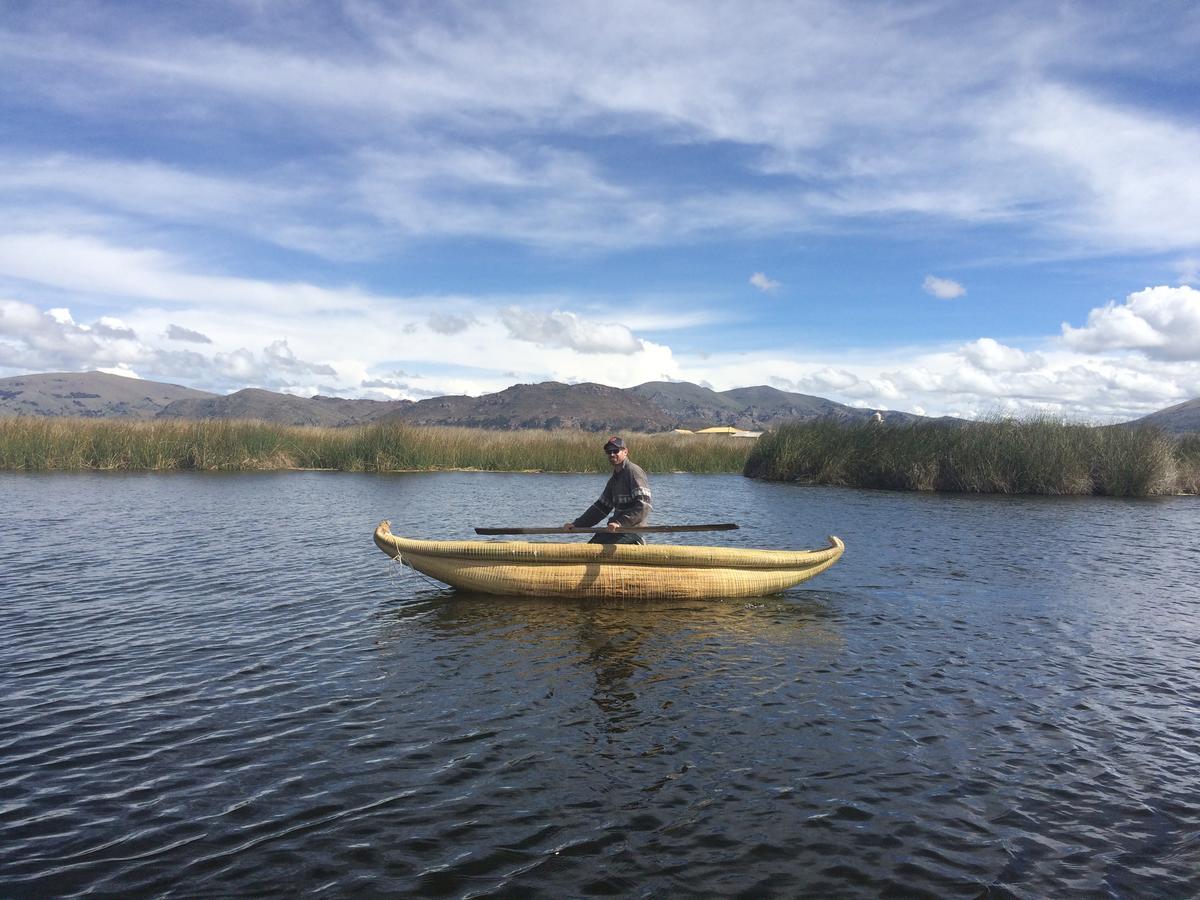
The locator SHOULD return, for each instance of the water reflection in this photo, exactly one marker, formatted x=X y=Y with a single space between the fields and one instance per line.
x=782 y=619
x=625 y=650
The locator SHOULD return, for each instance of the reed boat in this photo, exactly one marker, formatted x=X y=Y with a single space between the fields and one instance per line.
x=612 y=571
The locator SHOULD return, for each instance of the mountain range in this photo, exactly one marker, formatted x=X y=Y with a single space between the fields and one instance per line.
x=652 y=407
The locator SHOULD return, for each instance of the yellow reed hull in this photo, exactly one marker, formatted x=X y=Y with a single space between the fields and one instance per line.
x=613 y=571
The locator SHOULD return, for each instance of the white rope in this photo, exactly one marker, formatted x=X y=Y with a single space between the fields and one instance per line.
x=408 y=571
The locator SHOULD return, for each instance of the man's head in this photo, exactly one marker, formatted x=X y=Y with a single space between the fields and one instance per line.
x=616 y=450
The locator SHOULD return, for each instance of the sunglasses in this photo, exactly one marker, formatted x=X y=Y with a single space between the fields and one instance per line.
x=613 y=452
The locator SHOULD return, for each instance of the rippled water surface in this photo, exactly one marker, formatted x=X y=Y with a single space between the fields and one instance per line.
x=217 y=685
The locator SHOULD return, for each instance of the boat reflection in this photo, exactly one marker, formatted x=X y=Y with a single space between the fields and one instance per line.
x=806 y=618
x=618 y=653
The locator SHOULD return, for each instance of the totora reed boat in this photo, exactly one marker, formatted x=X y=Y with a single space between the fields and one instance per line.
x=614 y=571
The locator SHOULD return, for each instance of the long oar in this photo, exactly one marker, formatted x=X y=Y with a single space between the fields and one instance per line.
x=632 y=529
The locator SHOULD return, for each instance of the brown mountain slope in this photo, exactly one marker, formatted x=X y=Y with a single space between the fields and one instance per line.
x=651 y=407
x=753 y=408
x=89 y=395
x=285 y=409
x=589 y=407
x=1182 y=418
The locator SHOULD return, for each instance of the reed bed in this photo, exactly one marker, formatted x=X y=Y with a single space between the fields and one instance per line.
x=1034 y=456
x=1004 y=456
x=1188 y=455
x=35 y=444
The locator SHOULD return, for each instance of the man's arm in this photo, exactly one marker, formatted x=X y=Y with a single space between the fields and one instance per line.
x=597 y=511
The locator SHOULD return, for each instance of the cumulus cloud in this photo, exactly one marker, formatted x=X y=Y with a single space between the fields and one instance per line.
x=34 y=340
x=445 y=323
x=566 y=329
x=279 y=356
x=395 y=380
x=52 y=341
x=824 y=380
x=992 y=356
x=765 y=284
x=1161 y=322
x=179 y=333
x=114 y=329
x=942 y=288
x=969 y=381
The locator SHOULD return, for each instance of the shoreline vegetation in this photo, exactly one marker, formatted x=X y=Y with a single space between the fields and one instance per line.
x=224 y=445
x=1032 y=456
x=998 y=456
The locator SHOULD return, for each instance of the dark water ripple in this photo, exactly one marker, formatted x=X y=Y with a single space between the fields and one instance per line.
x=215 y=685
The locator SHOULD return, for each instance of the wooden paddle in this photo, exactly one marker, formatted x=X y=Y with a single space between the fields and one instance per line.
x=633 y=529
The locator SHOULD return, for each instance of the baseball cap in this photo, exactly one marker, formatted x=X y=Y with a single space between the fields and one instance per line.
x=614 y=443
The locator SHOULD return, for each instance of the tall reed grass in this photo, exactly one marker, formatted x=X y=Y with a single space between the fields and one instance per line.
x=1033 y=456
x=29 y=444
x=1188 y=456
x=1005 y=456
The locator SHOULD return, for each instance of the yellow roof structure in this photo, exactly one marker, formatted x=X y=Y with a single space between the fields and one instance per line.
x=718 y=429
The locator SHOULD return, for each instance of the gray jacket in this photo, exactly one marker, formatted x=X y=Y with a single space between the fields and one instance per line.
x=626 y=496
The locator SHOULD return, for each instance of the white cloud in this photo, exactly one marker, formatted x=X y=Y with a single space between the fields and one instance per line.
x=1162 y=322
x=113 y=328
x=179 y=333
x=824 y=381
x=566 y=329
x=992 y=356
x=764 y=284
x=164 y=192
x=499 y=94
x=942 y=288
x=445 y=323
x=968 y=381
x=90 y=266
x=122 y=370
x=279 y=356
x=52 y=341
x=1118 y=176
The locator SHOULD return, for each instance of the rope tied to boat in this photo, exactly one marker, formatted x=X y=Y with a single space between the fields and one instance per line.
x=409 y=571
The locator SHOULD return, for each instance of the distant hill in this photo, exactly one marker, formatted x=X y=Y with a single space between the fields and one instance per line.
x=588 y=407
x=1182 y=418
x=751 y=408
x=269 y=406
x=652 y=407
x=90 y=395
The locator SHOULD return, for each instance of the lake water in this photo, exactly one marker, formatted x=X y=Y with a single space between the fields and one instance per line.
x=216 y=685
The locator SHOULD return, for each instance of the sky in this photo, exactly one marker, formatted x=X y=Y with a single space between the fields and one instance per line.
x=947 y=208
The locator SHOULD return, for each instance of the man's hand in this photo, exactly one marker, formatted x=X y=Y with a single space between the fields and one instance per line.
x=570 y=526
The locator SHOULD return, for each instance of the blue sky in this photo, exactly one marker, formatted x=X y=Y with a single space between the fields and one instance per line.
x=945 y=208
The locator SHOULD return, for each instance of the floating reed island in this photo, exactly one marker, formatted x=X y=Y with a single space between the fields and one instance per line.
x=999 y=456
x=1031 y=456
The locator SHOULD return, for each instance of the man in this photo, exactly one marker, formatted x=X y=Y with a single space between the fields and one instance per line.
x=626 y=496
